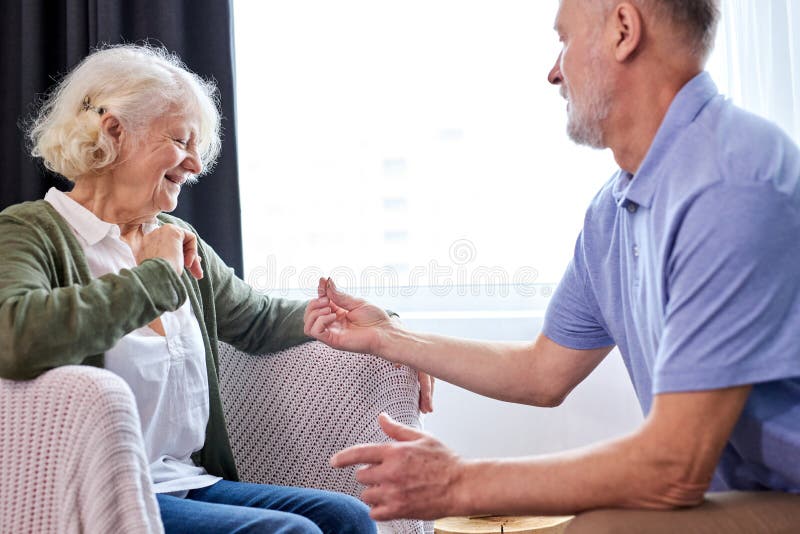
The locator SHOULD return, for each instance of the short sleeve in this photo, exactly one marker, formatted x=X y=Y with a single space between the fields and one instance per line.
x=573 y=315
x=732 y=310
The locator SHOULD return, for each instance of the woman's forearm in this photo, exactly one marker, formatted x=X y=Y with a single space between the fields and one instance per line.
x=42 y=327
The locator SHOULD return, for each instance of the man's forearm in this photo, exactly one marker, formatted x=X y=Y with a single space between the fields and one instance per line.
x=668 y=462
x=617 y=474
x=493 y=369
x=541 y=373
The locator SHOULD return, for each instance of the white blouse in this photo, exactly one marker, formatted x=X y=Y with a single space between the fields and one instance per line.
x=167 y=374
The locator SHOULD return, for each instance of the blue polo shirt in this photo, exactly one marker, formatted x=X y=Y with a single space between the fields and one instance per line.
x=692 y=268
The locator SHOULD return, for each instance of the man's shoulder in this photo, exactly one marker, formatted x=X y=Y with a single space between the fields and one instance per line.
x=748 y=148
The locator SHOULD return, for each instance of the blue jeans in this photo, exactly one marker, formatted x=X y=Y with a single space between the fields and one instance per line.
x=240 y=507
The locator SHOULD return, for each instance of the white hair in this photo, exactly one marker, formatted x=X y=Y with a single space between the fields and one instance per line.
x=134 y=83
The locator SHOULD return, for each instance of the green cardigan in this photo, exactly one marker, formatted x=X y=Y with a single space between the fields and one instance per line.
x=52 y=312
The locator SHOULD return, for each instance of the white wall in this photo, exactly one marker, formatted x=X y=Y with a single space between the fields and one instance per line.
x=603 y=406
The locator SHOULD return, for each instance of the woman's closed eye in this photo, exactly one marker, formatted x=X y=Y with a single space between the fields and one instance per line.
x=180 y=141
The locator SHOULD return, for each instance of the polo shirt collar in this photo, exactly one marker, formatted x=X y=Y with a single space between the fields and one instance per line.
x=687 y=105
x=85 y=223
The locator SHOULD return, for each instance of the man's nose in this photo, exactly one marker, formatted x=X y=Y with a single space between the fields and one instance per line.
x=555 y=77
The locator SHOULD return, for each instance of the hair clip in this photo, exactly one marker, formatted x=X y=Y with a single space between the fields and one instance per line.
x=87 y=105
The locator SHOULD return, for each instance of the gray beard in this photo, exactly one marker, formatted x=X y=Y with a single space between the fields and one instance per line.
x=585 y=124
x=585 y=120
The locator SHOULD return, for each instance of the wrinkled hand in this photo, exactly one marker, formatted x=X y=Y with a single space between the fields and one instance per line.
x=415 y=477
x=348 y=323
x=177 y=246
x=344 y=322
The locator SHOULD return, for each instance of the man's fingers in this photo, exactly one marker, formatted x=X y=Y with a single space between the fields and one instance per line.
x=366 y=453
x=334 y=307
x=340 y=298
x=383 y=512
x=398 y=431
x=425 y=392
x=322 y=287
x=387 y=510
x=371 y=475
x=373 y=496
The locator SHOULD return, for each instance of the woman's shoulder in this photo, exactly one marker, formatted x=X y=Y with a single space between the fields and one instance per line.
x=27 y=210
x=37 y=223
x=37 y=214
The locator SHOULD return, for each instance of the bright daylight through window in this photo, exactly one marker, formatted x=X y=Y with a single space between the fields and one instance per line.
x=413 y=151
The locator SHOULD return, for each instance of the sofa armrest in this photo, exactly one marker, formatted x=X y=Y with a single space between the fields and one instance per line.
x=72 y=457
x=289 y=412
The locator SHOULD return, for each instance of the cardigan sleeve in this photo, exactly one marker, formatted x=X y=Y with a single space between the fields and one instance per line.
x=46 y=322
x=251 y=321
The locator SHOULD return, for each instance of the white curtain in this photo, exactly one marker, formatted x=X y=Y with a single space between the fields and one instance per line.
x=757 y=59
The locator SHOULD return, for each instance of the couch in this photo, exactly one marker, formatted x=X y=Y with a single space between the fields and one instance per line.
x=71 y=453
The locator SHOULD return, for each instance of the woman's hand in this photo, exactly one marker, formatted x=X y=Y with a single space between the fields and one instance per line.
x=348 y=323
x=345 y=322
x=177 y=246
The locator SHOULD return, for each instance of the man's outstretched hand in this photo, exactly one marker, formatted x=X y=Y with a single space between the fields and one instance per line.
x=415 y=477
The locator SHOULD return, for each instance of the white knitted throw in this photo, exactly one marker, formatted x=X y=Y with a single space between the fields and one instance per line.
x=71 y=456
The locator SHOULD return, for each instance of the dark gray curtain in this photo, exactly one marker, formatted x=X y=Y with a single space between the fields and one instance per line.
x=41 y=40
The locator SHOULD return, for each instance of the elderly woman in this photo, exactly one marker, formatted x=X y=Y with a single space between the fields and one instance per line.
x=101 y=276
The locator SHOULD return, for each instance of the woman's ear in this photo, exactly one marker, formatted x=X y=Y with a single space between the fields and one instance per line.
x=628 y=27
x=111 y=127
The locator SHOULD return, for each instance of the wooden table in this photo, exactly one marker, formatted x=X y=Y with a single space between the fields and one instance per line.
x=494 y=524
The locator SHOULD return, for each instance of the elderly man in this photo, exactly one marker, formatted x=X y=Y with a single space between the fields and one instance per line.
x=687 y=262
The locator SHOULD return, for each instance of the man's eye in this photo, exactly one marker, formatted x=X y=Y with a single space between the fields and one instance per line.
x=183 y=142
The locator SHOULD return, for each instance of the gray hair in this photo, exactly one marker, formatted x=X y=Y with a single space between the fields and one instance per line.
x=698 y=19
x=136 y=84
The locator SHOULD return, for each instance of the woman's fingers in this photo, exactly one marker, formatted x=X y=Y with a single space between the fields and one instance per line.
x=320 y=325
x=191 y=259
x=196 y=267
x=312 y=316
x=315 y=304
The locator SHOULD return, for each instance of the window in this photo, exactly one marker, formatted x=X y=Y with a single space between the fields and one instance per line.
x=415 y=152
x=412 y=150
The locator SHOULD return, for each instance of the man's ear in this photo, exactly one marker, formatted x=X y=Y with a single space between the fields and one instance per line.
x=111 y=126
x=628 y=28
